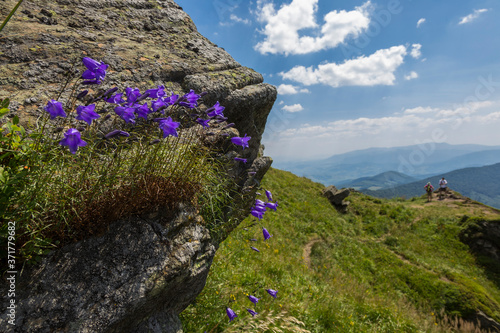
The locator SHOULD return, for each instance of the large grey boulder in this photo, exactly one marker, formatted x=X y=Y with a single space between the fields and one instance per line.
x=144 y=270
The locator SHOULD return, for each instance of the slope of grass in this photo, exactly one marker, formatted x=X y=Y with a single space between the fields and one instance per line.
x=386 y=266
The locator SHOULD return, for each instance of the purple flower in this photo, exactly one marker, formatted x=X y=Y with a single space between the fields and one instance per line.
x=132 y=95
x=157 y=92
x=241 y=141
x=203 y=122
x=253 y=299
x=252 y=312
x=110 y=91
x=126 y=114
x=159 y=104
x=255 y=249
x=258 y=214
x=168 y=126
x=253 y=239
x=215 y=110
x=269 y=195
x=272 y=205
x=87 y=113
x=116 y=99
x=116 y=133
x=266 y=234
x=96 y=71
x=230 y=313
x=73 y=140
x=142 y=110
x=192 y=98
x=82 y=94
x=272 y=292
x=172 y=99
x=244 y=160
x=55 y=108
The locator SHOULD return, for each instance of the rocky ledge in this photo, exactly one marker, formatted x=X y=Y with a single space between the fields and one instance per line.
x=145 y=270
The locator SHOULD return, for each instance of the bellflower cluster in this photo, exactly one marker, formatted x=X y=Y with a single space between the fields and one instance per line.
x=96 y=71
x=130 y=105
x=260 y=207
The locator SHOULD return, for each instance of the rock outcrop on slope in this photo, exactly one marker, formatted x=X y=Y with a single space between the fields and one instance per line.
x=140 y=274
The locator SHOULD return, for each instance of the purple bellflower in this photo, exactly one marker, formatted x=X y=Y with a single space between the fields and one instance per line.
x=126 y=113
x=269 y=195
x=116 y=133
x=203 y=122
x=266 y=234
x=168 y=126
x=241 y=141
x=252 y=312
x=230 y=313
x=159 y=105
x=115 y=99
x=157 y=92
x=132 y=95
x=174 y=98
x=255 y=249
x=272 y=292
x=87 y=113
x=253 y=299
x=272 y=205
x=244 y=160
x=72 y=139
x=55 y=108
x=215 y=110
x=96 y=71
x=142 y=110
x=192 y=99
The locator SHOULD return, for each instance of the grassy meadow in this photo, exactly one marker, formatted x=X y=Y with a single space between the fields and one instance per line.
x=385 y=266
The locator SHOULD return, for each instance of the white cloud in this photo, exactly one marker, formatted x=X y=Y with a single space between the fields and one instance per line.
x=465 y=123
x=415 y=51
x=471 y=17
x=293 y=108
x=420 y=22
x=288 y=89
x=411 y=76
x=237 y=19
x=376 y=69
x=282 y=27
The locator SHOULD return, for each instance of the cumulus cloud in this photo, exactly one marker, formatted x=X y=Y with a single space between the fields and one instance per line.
x=293 y=108
x=471 y=17
x=411 y=76
x=420 y=22
x=282 y=26
x=288 y=89
x=237 y=19
x=416 y=51
x=376 y=69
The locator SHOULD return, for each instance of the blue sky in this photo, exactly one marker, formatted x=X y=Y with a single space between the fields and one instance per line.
x=360 y=74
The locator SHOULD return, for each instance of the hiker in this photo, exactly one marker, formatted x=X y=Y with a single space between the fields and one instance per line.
x=443 y=187
x=429 y=189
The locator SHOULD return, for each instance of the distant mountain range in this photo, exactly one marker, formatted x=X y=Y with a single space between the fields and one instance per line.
x=417 y=161
x=383 y=180
x=480 y=184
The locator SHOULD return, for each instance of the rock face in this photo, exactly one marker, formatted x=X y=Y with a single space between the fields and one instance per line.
x=145 y=270
x=483 y=238
x=336 y=197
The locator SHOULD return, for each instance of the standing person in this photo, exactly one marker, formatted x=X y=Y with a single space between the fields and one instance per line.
x=443 y=187
x=429 y=188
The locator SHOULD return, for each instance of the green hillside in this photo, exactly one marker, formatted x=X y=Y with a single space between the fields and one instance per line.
x=480 y=183
x=385 y=266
